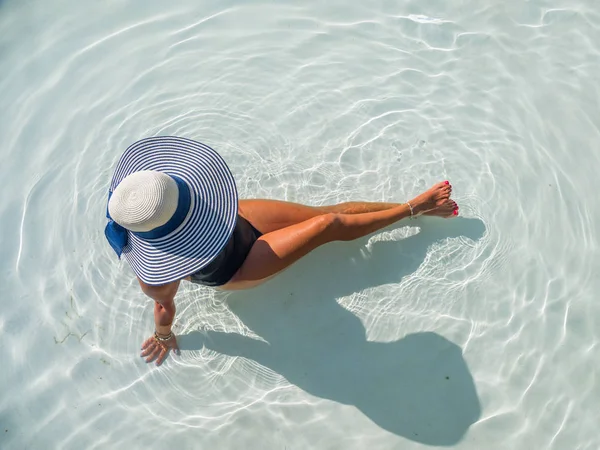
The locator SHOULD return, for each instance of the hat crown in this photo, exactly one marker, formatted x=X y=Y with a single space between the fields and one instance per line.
x=144 y=200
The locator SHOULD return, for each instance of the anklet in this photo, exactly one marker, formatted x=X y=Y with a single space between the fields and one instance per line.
x=412 y=213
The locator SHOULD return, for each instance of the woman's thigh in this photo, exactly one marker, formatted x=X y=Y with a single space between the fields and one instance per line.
x=272 y=215
x=277 y=250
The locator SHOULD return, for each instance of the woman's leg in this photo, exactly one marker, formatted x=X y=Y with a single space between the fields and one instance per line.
x=271 y=215
x=278 y=249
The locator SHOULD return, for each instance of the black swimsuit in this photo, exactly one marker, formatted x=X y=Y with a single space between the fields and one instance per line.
x=226 y=264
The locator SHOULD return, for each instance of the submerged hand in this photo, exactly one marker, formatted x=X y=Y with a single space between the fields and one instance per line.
x=153 y=348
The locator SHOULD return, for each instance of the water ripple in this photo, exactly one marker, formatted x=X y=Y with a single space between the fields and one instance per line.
x=318 y=104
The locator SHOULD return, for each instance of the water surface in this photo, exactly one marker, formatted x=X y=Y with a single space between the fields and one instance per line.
x=481 y=332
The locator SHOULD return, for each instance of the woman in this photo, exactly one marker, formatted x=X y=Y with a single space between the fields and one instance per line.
x=174 y=214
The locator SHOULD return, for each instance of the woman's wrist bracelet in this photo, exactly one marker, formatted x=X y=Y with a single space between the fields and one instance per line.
x=412 y=212
x=162 y=337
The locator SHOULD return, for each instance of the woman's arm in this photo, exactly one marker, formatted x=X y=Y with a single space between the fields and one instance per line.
x=164 y=314
x=158 y=345
x=164 y=304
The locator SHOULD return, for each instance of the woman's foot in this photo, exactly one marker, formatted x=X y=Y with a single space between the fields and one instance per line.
x=436 y=201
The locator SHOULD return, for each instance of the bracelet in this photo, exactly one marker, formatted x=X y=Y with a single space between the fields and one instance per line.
x=412 y=212
x=163 y=338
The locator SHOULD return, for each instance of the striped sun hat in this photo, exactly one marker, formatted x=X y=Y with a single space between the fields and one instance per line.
x=172 y=207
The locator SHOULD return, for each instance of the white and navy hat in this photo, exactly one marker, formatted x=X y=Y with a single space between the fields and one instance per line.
x=172 y=207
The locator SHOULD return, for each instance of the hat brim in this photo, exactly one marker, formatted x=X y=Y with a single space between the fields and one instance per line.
x=213 y=212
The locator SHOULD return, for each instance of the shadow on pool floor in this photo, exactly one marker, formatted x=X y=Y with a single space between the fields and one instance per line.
x=418 y=387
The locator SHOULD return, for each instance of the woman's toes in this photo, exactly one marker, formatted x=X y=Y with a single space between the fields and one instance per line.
x=443 y=187
x=455 y=211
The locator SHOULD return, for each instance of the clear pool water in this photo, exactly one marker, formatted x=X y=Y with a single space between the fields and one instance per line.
x=476 y=333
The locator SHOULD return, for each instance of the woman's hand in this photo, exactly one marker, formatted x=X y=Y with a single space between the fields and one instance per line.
x=154 y=348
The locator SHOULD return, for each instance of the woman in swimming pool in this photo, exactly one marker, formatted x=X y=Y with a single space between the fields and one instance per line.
x=174 y=213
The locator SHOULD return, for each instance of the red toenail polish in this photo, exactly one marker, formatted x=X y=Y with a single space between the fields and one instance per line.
x=446 y=182
x=456 y=212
